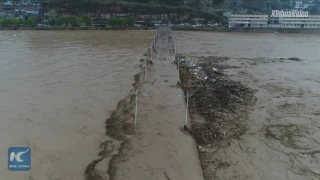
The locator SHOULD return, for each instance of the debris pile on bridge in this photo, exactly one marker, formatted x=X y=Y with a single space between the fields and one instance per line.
x=220 y=101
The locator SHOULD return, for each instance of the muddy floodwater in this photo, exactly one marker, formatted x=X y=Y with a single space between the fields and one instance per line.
x=56 y=90
x=281 y=140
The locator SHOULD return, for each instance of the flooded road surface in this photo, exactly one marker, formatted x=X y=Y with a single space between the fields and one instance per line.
x=282 y=140
x=56 y=90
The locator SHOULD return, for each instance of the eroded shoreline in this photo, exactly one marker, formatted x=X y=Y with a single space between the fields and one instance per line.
x=118 y=127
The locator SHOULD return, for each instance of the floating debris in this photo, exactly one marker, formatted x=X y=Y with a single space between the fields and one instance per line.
x=222 y=102
x=214 y=70
x=295 y=59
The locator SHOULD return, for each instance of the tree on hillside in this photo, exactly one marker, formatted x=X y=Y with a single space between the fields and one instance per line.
x=121 y=22
x=31 y=20
x=130 y=21
x=53 y=21
x=15 y=21
x=75 y=21
x=9 y=21
x=112 y=21
x=87 y=20
x=24 y=21
x=59 y=21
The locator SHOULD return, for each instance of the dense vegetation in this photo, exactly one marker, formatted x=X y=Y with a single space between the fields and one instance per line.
x=72 y=20
x=77 y=21
x=149 y=2
x=121 y=22
x=27 y=21
x=169 y=2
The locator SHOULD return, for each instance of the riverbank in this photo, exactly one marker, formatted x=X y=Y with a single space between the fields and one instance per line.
x=243 y=30
x=75 y=28
x=254 y=30
x=213 y=29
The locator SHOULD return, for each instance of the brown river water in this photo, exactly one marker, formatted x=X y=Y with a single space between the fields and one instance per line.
x=282 y=140
x=58 y=87
x=56 y=90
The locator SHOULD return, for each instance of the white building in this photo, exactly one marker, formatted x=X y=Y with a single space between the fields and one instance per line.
x=248 y=20
x=312 y=21
x=294 y=19
x=278 y=19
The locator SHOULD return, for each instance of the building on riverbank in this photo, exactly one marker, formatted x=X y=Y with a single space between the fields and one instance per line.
x=248 y=20
x=294 y=19
x=278 y=19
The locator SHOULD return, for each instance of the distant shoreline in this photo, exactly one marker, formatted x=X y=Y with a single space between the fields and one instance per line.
x=254 y=30
x=213 y=29
x=75 y=28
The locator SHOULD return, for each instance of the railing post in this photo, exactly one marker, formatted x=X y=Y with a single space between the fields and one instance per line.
x=136 y=111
